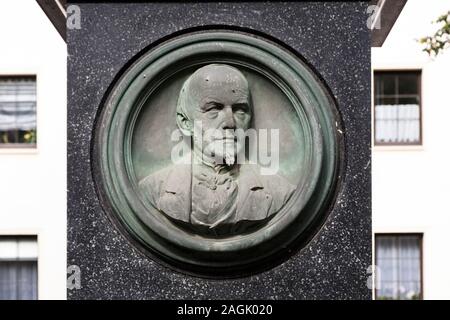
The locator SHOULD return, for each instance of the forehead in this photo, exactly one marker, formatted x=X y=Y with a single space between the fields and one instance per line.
x=219 y=83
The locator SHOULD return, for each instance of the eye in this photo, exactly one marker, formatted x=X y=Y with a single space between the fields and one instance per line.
x=213 y=106
x=211 y=114
x=240 y=108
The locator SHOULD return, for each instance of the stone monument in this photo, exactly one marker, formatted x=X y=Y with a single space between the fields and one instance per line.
x=212 y=156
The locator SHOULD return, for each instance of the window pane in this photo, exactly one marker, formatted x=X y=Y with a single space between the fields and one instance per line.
x=387 y=291
x=27 y=249
x=386 y=123
x=386 y=101
x=398 y=258
x=18 y=268
x=387 y=82
x=409 y=291
x=388 y=270
x=408 y=100
x=18 y=280
x=27 y=280
x=408 y=83
x=408 y=123
x=409 y=247
x=18 y=110
x=397 y=111
x=18 y=248
x=8 y=276
x=386 y=247
x=8 y=249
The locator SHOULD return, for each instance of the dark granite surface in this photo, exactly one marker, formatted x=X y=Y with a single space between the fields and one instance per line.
x=333 y=38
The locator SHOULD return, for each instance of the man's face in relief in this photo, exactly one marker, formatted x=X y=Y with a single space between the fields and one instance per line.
x=220 y=99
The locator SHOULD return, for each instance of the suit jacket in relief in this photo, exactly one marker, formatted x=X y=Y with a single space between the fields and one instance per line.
x=259 y=197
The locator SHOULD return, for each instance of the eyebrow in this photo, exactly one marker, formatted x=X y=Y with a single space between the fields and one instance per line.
x=207 y=104
x=241 y=104
x=210 y=103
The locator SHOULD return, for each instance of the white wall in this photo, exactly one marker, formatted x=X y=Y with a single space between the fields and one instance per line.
x=33 y=182
x=411 y=185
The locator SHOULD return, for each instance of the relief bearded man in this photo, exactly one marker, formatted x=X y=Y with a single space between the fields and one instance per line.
x=214 y=194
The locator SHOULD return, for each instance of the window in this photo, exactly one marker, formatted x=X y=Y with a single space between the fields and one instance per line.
x=18 y=268
x=17 y=111
x=397 y=108
x=399 y=259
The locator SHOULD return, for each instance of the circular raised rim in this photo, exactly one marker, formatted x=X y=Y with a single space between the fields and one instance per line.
x=114 y=139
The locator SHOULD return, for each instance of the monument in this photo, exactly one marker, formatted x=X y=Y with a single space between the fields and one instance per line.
x=219 y=155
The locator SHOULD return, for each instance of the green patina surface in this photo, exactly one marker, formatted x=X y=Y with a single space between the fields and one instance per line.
x=134 y=127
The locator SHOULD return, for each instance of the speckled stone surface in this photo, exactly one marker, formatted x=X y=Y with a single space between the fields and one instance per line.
x=333 y=38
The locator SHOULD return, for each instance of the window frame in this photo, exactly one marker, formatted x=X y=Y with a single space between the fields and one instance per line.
x=420 y=237
x=417 y=72
x=22 y=146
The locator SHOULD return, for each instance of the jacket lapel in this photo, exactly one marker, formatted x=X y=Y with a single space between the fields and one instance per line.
x=254 y=200
x=175 y=200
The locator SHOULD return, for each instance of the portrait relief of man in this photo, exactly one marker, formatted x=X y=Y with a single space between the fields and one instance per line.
x=213 y=193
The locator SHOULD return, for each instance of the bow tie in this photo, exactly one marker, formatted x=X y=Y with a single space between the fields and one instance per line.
x=212 y=179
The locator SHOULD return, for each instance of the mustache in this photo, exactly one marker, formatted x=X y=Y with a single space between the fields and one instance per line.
x=225 y=136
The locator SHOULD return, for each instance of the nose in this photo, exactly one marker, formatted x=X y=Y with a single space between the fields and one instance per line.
x=228 y=118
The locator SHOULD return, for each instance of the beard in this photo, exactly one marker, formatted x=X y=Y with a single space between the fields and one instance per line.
x=222 y=152
x=230 y=158
x=219 y=147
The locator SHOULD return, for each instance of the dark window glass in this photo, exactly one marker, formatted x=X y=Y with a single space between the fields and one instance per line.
x=407 y=84
x=397 y=107
x=387 y=84
x=399 y=259
x=17 y=111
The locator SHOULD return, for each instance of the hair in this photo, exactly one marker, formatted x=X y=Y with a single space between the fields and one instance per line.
x=183 y=102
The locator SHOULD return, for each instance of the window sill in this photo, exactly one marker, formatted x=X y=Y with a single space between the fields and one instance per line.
x=405 y=147
x=13 y=150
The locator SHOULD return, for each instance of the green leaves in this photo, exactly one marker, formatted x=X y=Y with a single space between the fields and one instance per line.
x=438 y=42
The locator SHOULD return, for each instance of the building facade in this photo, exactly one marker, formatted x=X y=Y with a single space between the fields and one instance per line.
x=411 y=156
x=32 y=154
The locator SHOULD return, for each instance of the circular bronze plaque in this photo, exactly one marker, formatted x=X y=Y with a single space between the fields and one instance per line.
x=217 y=152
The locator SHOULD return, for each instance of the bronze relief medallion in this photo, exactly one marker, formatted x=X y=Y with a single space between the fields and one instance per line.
x=217 y=153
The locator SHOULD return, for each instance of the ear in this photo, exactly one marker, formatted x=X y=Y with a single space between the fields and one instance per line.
x=184 y=124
